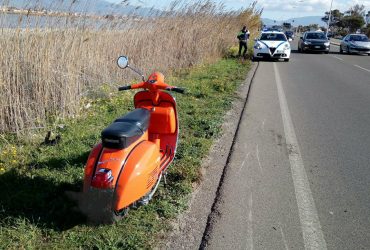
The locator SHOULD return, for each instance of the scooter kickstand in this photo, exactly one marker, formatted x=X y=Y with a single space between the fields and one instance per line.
x=165 y=179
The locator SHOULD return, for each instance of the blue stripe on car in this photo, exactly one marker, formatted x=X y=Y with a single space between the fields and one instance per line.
x=264 y=44
x=280 y=44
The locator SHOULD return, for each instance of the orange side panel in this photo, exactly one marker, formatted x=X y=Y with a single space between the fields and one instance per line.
x=112 y=159
x=89 y=168
x=138 y=175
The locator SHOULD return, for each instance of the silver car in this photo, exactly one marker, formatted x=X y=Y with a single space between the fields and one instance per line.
x=355 y=43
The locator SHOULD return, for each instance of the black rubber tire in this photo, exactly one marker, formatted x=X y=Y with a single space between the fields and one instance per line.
x=326 y=52
x=118 y=215
x=348 y=50
x=286 y=60
x=340 y=50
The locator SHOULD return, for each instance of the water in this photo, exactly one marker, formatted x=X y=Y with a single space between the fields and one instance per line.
x=23 y=21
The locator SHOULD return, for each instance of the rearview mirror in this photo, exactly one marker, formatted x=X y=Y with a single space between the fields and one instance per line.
x=122 y=62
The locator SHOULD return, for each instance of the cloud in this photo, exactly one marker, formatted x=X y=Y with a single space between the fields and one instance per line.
x=310 y=6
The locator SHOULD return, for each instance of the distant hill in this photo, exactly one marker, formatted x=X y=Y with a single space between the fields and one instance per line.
x=297 y=21
x=268 y=21
x=99 y=7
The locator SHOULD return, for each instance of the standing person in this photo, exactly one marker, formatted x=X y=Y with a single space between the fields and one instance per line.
x=243 y=37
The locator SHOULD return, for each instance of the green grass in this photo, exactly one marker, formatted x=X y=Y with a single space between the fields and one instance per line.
x=34 y=210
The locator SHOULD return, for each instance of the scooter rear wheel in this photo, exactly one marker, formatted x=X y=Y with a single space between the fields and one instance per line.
x=118 y=215
x=122 y=213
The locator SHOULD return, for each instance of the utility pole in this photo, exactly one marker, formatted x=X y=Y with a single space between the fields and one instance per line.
x=327 y=28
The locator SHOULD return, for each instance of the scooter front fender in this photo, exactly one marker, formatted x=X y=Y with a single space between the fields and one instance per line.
x=138 y=175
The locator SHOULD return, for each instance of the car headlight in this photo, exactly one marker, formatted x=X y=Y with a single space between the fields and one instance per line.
x=327 y=43
x=307 y=43
x=286 y=46
x=257 y=46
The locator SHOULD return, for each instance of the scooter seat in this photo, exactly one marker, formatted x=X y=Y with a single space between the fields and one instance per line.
x=126 y=130
x=140 y=117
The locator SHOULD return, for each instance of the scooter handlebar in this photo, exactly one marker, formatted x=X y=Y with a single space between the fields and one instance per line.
x=124 y=88
x=178 y=90
x=141 y=85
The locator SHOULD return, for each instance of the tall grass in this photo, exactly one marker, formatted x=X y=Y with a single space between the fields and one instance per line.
x=47 y=69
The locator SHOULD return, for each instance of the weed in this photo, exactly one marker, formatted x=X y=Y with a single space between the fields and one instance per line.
x=34 y=211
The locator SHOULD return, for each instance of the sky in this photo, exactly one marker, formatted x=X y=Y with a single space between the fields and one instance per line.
x=273 y=9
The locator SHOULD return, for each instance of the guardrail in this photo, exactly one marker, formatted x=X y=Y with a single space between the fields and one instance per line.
x=335 y=41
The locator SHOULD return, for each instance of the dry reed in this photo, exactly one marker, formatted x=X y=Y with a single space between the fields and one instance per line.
x=47 y=69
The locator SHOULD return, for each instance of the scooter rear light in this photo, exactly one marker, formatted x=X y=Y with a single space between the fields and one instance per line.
x=102 y=179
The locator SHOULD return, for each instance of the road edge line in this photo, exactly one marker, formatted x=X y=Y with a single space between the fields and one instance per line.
x=312 y=234
x=358 y=66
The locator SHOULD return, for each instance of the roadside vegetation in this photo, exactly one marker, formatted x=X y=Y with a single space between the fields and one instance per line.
x=35 y=211
x=49 y=65
x=348 y=21
x=64 y=79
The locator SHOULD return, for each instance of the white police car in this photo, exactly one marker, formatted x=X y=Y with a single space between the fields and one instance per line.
x=271 y=44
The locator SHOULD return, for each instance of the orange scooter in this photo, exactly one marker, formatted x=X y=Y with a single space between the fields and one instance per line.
x=125 y=169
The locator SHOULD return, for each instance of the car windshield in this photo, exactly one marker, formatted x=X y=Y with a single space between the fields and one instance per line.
x=273 y=37
x=359 y=38
x=315 y=36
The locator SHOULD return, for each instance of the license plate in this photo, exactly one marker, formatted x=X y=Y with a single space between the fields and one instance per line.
x=317 y=47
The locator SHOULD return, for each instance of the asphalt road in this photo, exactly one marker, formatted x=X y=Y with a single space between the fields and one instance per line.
x=299 y=175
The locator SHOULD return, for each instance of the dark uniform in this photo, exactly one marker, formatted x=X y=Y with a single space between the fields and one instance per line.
x=243 y=37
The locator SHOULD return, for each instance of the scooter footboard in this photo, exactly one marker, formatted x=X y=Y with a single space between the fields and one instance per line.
x=138 y=175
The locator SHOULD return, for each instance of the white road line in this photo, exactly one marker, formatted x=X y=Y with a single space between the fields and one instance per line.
x=312 y=234
x=368 y=70
x=250 y=224
x=263 y=124
x=358 y=66
x=243 y=163
x=258 y=158
x=337 y=57
x=283 y=237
